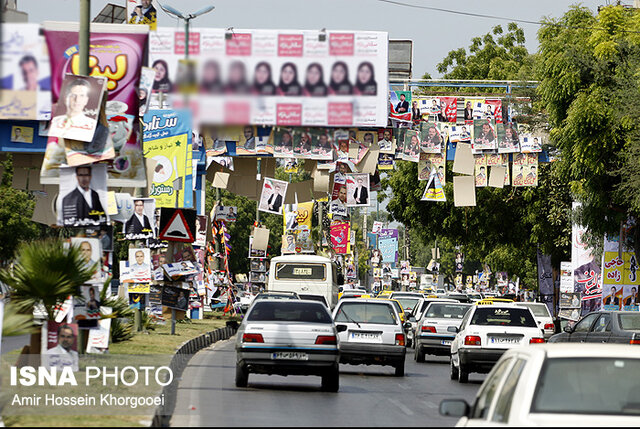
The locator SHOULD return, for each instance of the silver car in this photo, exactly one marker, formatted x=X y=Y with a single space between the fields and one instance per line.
x=433 y=336
x=288 y=337
x=371 y=333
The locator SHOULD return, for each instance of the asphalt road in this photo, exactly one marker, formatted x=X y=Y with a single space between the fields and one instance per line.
x=368 y=396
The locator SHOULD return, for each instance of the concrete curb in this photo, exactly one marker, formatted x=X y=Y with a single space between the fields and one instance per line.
x=163 y=413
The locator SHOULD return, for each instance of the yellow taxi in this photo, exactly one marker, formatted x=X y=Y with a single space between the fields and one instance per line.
x=489 y=301
x=396 y=304
x=384 y=294
x=353 y=293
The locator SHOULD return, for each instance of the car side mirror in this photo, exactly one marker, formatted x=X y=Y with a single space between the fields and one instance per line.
x=568 y=329
x=407 y=325
x=454 y=408
x=453 y=329
x=341 y=328
x=412 y=319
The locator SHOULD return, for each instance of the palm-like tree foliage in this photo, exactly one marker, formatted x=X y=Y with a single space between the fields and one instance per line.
x=15 y=323
x=46 y=272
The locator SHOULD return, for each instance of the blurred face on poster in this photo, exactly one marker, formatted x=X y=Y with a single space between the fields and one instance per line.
x=29 y=70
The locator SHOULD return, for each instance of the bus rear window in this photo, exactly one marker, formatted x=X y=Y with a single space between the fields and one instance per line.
x=296 y=271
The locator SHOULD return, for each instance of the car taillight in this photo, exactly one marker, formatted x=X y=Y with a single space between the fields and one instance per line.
x=549 y=326
x=327 y=339
x=399 y=339
x=431 y=329
x=635 y=341
x=472 y=340
x=252 y=338
x=536 y=340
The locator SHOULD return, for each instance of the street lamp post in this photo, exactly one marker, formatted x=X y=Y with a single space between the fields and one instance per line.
x=187 y=19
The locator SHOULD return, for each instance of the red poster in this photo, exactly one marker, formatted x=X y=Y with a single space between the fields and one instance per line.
x=450 y=108
x=340 y=236
x=497 y=109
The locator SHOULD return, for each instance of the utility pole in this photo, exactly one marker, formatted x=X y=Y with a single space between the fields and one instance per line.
x=83 y=36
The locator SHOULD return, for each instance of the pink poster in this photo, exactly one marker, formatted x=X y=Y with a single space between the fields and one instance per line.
x=339 y=236
x=449 y=108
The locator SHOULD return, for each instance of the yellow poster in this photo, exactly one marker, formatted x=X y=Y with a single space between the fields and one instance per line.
x=613 y=269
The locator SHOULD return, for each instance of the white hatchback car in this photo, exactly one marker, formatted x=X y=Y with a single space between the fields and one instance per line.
x=370 y=333
x=543 y=317
x=486 y=332
x=558 y=384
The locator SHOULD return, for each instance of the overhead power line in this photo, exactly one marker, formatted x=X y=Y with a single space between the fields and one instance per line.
x=502 y=18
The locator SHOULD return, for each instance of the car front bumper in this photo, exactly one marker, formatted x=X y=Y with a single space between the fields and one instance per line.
x=371 y=354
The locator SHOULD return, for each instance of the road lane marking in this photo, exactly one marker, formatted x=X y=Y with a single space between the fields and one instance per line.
x=402 y=386
x=430 y=404
x=401 y=406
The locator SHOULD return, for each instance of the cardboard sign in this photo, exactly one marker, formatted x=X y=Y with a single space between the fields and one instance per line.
x=175 y=297
x=177 y=225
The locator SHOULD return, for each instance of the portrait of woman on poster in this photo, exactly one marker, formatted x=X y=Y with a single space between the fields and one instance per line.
x=314 y=85
x=468 y=112
x=211 y=82
x=288 y=84
x=237 y=81
x=262 y=80
x=340 y=84
x=365 y=80
x=416 y=116
x=161 y=82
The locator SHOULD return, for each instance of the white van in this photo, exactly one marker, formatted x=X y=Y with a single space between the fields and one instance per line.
x=305 y=274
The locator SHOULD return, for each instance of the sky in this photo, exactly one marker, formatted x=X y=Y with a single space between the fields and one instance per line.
x=434 y=34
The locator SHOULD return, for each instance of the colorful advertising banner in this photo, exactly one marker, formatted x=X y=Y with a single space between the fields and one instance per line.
x=388 y=245
x=620 y=277
x=167 y=140
x=116 y=53
x=25 y=76
x=586 y=271
x=339 y=236
x=278 y=77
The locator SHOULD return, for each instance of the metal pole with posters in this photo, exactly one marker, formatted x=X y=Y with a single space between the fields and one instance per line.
x=83 y=36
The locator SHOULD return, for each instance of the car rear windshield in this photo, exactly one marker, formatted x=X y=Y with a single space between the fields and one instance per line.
x=630 y=322
x=588 y=386
x=288 y=311
x=407 y=303
x=539 y=310
x=366 y=312
x=318 y=298
x=447 y=311
x=274 y=296
x=291 y=271
x=503 y=317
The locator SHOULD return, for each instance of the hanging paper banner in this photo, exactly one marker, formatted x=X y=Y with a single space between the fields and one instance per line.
x=339 y=236
x=116 y=52
x=433 y=191
x=388 y=245
x=167 y=140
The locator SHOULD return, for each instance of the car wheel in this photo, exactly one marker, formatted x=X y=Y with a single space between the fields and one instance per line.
x=331 y=380
x=242 y=375
x=463 y=374
x=453 y=370
x=400 y=369
x=419 y=354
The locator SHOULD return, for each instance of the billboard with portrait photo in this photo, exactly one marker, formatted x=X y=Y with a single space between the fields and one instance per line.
x=358 y=190
x=247 y=143
x=321 y=144
x=385 y=140
x=62 y=346
x=283 y=142
x=530 y=143
x=431 y=139
x=272 y=195
x=508 y=138
x=140 y=265
x=411 y=150
x=82 y=199
x=484 y=136
x=141 y=223
x=201 y=231
x=226 y=213
x=25 y=75
x=21 y=134
x=88 y=308
x=91 y=251
x=302 y=143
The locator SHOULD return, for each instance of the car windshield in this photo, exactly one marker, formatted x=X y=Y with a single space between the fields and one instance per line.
x=629 y=322
x=538 y=310
x=290 y=311
x=366 y=312
x=474 y=295
x=447 y=311
x=500 y=316
x=407 y=303
x=579 y=385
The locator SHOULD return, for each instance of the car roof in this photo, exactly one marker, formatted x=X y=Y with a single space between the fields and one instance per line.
x=292 y=302
x=584 y=350
x=274 y=292
x=300 y=258
x=367 y=300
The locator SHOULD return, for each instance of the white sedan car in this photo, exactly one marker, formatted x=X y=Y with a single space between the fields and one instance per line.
x=543 y=317
x=486 y=332
x=558 y=385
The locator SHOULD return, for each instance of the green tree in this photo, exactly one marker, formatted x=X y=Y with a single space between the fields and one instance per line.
x=588 y=67
x=46 y=272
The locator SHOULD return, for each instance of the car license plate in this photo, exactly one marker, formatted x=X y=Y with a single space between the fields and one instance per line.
x=366 y=337
x=505 y=340
x=290 y=356
x=445 y=342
